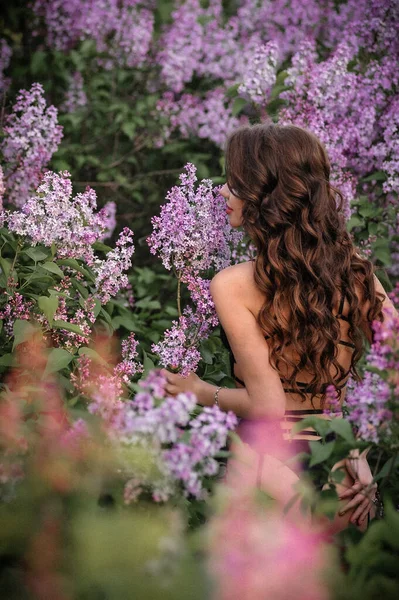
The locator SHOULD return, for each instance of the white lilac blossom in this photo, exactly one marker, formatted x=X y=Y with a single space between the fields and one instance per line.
x=31 y=136
x=52 y=216
x=260 y=75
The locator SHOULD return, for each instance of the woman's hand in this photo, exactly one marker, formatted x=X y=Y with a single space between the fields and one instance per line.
x=176 y=384
x=362 y=493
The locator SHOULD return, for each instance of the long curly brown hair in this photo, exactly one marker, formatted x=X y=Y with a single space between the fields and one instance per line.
x=304 y=251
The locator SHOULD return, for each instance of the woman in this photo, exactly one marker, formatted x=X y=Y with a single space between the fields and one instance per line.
x=295 y=318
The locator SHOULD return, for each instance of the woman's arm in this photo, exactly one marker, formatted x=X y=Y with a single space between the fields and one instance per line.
x=263 y=396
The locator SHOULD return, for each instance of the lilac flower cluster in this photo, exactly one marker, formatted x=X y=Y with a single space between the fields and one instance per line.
x=75 y=97
x=31 y=136
x=108 y=214
x=5 y=56
x=183 y=448
x=209 y=117
x=129 y=366
x=368 y=411
x=110 y=275
x=373 y=403
x=178 y=348
x=16 y=307
x=121 y=29
x=52 y=216
x=192 y=231
x=191 y=235
x=260 y=75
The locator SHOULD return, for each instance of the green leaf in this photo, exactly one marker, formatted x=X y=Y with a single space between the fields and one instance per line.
x=49 y=305
x=147 y=363
x=354 y=221
x=58 y=359
x=23 y=330
x=73 y=264
x=389 y=467
x=129 y=129
x=101 y=247
x=377 y=176
x=5 y=264
x=52 y=268
x=38 y=62
x=6 y=360
x=320 y=452
x=93 y=355
x=36 y=254
x=343 y=428
x=68 y=326
x=238 y=105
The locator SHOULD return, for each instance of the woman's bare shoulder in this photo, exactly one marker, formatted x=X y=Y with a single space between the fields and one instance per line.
x=237 y=279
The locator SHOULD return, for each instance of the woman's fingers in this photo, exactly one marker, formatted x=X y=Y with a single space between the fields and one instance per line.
x=354 y=489
x=363 y=507
x=358 y=499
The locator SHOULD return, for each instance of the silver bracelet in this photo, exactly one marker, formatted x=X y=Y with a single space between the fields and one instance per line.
x=216 y=397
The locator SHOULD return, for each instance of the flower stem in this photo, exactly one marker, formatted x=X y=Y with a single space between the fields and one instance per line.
x=179 y=295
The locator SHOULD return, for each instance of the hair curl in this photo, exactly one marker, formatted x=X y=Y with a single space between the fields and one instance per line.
x=304 y=251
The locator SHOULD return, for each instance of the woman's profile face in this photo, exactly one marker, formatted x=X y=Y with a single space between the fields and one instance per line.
x=234 y=206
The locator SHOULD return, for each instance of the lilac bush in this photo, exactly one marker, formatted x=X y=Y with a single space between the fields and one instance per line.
x=31 y=136
x=121 y=30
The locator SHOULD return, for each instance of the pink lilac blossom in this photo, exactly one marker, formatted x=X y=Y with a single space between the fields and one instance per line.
x=121 y=29
x=108 y=213
x=110 y=276
x=75 y=96
x=260 y=75
x=52 y=216
x=5 y=57
x=31 y=136
x=129 y=367
x=16 y=307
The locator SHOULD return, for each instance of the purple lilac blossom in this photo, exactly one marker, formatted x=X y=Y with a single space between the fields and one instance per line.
x=373 y=402
x=110 y=276
x=260 y=75
x=2 y=190
x=31 y=136
x=209 y=117
x=75 y=97
x=192 y=231
x=367 y=405
x=157 y=422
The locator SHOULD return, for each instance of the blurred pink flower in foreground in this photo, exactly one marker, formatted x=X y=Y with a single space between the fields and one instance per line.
x=256 y=552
